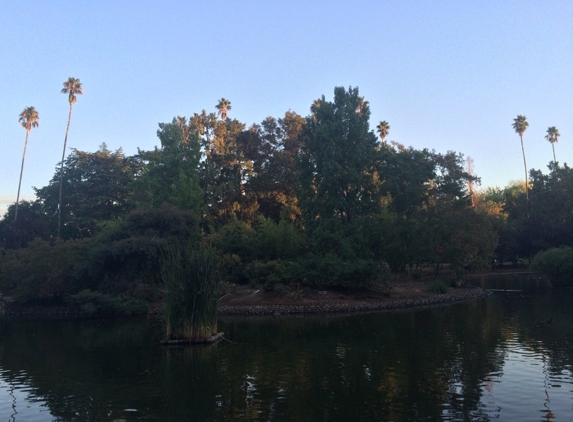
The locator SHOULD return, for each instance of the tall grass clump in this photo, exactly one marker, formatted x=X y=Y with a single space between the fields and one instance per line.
x=191 y=278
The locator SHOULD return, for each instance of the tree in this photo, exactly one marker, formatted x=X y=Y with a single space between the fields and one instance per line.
x=223 y=106
x=32 y=223
x=272 y=148
x=98 y=187
x=170 y=172
x=72 y=87
x=223 y=169
x=552 y=136
x=383 y=129
x=337 y=166
x=520 y=124
x=29 y=118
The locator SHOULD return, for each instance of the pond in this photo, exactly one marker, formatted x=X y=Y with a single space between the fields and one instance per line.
x=507 y=357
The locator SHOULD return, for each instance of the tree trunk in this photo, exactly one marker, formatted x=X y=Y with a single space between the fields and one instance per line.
x=21 y=172
x=62 y=173
x=525 y=166
x=553 y=146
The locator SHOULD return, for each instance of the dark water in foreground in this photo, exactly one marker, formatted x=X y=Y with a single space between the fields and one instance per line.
x=494 y=359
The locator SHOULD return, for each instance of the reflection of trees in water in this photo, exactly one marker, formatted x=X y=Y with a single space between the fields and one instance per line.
x=542 y=324
x=72 y=365
x=395 y=366
x=391 y=366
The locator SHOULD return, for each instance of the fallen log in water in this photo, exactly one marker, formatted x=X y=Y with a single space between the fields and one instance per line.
x=203 y=340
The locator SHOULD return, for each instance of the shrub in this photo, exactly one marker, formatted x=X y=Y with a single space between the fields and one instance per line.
x=556 y=264
x=330 y=271
x=438 y=286
x=44 y=272
x=131 y=252
x=267 y=274
x=94 y=303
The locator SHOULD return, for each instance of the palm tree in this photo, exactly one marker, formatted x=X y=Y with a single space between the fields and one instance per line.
x=520 y=125
x=72 y=87
x=383 y=129
x=552 y=136
x=223 y=106
x=29 y=118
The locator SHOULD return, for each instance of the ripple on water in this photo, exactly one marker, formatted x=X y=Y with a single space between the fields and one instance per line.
x=526 y=387
x=18 y=401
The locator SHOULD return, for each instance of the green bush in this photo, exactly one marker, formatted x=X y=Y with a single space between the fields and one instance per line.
x=94 y=303
x=556 y=264
x=329 y=270
x=277 y=241
x=267 y=274
x=438 y=286
x=130 y=253
x=43 y=272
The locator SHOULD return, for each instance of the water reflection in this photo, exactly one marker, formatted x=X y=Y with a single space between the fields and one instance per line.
x=492 y=359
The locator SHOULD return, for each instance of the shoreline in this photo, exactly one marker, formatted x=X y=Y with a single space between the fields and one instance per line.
x=317 y=307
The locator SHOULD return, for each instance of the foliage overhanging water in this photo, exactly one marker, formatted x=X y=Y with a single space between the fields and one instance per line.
x=508 y=357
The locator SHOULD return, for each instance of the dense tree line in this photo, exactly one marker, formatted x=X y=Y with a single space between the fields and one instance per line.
x=314 y=201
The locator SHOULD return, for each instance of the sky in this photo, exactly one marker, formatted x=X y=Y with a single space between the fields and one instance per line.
x=446 y=75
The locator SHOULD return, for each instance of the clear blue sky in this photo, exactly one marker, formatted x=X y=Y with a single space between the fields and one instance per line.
x=446 y=75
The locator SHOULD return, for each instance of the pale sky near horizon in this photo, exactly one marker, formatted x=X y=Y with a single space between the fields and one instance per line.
x=446 y=75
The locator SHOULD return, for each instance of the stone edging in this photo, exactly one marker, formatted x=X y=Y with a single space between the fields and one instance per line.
x=353 y=307
x=316 y=308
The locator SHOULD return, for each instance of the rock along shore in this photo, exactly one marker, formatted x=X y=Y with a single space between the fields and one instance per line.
x=388 y=304
x=312 y=307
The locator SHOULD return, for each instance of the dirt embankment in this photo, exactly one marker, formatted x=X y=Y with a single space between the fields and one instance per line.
x=246 y=301
x=243 y=300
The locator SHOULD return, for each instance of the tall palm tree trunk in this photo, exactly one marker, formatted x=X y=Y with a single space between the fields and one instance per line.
x=525 y=166
x=62 y=173
x=553 y=146
x=21 y=172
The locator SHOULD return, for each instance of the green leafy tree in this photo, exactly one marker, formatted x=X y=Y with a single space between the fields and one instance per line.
x=428 y=217
x=223 y=170
x=29 y=118
x=492 y=202
x=551 y=202
x=337 y=162
x=553 y=136
x=520 y=124
x=170 y=173
x=98 y=187
x=32 y=223
x=72 y=87
x=272 y=148
x=405 y=175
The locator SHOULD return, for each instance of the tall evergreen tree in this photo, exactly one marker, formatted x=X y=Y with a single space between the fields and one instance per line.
x=170 y=173
x=72 y=87
x=337 y=160
x=29 y=118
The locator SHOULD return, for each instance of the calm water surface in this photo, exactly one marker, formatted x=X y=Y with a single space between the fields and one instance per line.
x=494 y=359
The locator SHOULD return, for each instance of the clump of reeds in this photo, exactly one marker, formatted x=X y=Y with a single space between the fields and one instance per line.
x=191 y=278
